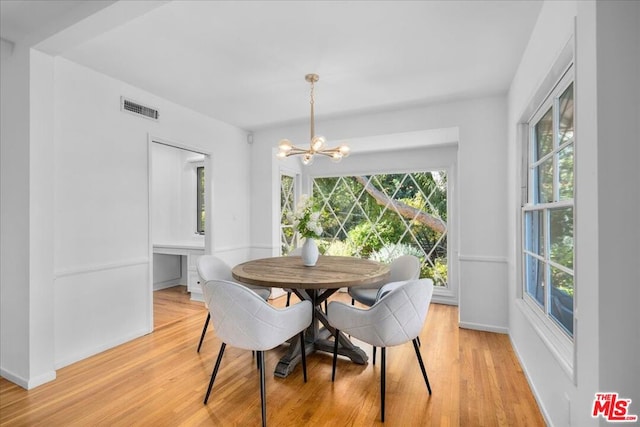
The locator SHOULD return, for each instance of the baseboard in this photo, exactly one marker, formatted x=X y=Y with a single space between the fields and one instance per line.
x=166 y=284
x=30 y=383
x=483 y=327
x=543 y=410
x=76 y=358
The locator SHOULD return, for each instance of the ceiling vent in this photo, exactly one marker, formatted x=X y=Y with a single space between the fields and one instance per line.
x=138 y=109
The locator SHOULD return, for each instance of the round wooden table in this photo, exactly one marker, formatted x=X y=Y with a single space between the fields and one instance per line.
x=314 y=284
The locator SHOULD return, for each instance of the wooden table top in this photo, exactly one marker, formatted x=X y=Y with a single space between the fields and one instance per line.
x=330 y=272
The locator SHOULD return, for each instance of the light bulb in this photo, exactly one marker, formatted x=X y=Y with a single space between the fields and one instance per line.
x=281 y=155
x=285 y=145
x=344 y=150
x=336 y=157
x=317 y=142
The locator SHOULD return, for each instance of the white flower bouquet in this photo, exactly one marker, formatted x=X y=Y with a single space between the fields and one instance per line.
x=305 y=221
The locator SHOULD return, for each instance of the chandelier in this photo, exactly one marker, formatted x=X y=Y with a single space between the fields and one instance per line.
x=316 y=142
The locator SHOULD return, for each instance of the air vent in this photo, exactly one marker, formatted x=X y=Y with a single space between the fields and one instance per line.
x=138 y=109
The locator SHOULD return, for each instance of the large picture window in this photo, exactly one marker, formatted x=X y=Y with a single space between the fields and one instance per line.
x=385 y=216
x=549 y=211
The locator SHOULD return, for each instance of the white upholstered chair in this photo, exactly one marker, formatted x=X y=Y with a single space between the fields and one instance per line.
x=402 y=269
x=396 y=318
x=405 y=267
x=211 y=267
x=242 y=319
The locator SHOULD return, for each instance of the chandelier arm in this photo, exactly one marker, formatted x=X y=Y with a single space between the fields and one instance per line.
x=297 y=150
x=329 y=150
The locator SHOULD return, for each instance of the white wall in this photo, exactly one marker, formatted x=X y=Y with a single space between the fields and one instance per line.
x=26 y=244
x=101 y=205
x=607 y=102
x=618 y=94
x=75 y=234
x=481 y=190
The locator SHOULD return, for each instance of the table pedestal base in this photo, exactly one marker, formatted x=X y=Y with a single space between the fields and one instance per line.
x=317 y=337
x=288 y=362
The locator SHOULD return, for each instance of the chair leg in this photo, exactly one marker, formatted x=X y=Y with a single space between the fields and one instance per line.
x=382 y=382
x=353 y=301
x=374 y=354
x=263 y=396
x=204 y=330
x=215 y=372
x=335 y=356
x=288 y=298
x=424 y=371
x=419 y=343
x=304 y=355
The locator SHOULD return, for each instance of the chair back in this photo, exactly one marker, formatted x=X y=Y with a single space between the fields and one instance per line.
x=243 y=319
x=404 y=311
x=405 y=267
x=396 y=318
x=210 y=267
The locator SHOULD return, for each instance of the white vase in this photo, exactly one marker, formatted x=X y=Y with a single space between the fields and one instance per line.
x=309 y=252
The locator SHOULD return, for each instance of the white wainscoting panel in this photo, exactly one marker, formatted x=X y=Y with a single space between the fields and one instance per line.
x=483 y=293
x=98 y=309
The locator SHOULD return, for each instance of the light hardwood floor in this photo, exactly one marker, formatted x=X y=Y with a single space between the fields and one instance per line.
x=160 y=380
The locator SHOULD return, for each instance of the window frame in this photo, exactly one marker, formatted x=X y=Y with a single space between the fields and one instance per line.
x=561 y=344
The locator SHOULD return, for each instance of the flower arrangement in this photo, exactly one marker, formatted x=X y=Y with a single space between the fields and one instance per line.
x=305 y=221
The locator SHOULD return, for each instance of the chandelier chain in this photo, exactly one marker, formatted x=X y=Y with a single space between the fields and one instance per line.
x=312 y=126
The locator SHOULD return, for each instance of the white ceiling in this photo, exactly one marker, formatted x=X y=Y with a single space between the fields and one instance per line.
x=244 y=62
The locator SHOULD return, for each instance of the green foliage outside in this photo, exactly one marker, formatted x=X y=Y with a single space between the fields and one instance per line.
x=356 y=224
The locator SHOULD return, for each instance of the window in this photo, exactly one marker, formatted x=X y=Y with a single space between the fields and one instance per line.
x=287 y=206
x=200 y=220
x=548 y=212
x=385 y=216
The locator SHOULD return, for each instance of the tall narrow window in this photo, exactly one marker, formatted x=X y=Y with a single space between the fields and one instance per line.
x=548 y=214
x=287 y=206
x=200 y=220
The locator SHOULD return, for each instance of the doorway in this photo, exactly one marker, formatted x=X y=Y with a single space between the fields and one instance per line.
x=178 y=232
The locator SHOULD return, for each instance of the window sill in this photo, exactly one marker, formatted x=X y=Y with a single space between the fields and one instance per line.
x=560 y=346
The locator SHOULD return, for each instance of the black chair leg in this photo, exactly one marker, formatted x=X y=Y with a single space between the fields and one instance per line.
x=215 y=372
x=419 y=343
x=382 y=382
x=262 y=389
x=204 y=330
x=374 y=354
x=353 y=301
x=303 y=351
x=288 y=298
x=335 y=356
x=424 y=371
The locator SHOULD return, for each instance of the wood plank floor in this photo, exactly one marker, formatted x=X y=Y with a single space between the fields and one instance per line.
x=160 y=380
